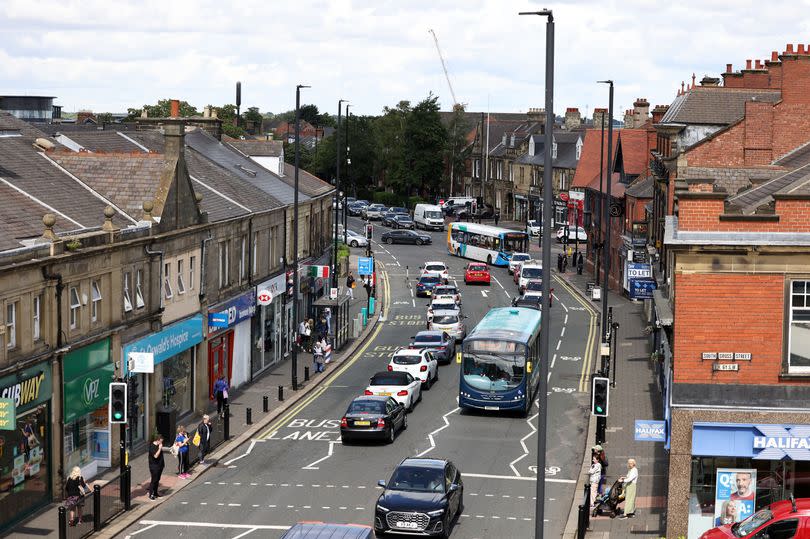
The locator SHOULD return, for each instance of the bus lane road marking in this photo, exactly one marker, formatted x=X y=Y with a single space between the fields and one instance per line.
x=584 y=377
x=430 y=436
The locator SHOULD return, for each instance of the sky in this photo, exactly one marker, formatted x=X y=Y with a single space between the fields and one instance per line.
x=107 y=56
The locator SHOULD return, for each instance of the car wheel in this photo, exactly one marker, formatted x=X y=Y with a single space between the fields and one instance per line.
x=419 y=242
x=405 y=422
x=353 y=243
x=391 y=435
x=389 y=241
x=409 y=409
x=427 y=383
x=419 y=399
x=436 y=377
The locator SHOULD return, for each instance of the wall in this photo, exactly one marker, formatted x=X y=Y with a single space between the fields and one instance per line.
x=703 y=214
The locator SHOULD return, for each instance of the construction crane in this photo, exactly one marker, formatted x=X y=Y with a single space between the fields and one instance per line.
x=444 y=67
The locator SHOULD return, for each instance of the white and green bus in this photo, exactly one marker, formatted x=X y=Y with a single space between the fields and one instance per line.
x=485 y=243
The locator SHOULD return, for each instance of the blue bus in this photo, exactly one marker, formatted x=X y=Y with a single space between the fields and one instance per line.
x=484 y=243
x=499 y=361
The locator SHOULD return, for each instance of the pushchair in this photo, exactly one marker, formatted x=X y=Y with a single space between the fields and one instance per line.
x=608 y=502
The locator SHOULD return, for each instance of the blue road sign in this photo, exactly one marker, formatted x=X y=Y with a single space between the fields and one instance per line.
x=365 y=265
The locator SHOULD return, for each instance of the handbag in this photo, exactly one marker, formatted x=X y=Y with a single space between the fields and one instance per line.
x=196 y=440
x=224 y=393
x=175 y=450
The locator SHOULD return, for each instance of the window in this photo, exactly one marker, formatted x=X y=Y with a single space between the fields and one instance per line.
x=36 y=312
x=243 y=259
x=181 y=284
x=799 y=330
x=223 y=264
x=75 y=306
x=127 y=297
x=138 y=289
x=191 y=261
x=95 y=292
x=255 y=269
x=11 y=325
x=167 y=281
x=563 y=181
x=477 y=168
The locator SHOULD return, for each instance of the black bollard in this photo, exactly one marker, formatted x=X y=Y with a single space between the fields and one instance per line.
x=306 y=374
x=227 y=421
x=266 y=404
x=97 y=504
x=280 y=393
x=127 y=487
x=249 y=416
x=62 y=522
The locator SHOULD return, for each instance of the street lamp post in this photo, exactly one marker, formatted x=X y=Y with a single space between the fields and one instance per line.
x=295 y=233
x=598 y=253
x=337 y=201
x=546 y=259
x=348 y=162
x=606 y=215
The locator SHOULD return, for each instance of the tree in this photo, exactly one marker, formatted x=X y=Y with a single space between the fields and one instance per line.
x=456 y=151
x=389 y=136
x=227 y=113
x=424 y=141
x=163 y=109
x=252 y=116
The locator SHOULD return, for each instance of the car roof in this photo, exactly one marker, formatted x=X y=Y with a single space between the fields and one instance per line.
x=429 y=277
x=429 y=333
x=424 y=463
x=381 y=398
x=435 y=262
x=476 y=264
x=322 y=530
x=398 y=374
x=408 y=352
x=454 y=287
x=784 y=508
x=531 y=264
x=445 y=312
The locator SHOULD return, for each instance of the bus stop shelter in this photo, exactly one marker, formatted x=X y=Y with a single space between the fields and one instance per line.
x=338 y=310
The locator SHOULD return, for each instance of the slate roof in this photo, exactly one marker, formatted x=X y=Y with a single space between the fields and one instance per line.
x=634 y=152
x=797 y=158
x=793 y=182
x=103 y=141
x=641 y=188
x=715 y=105
x=308 y=184
x=566 y=150
x=258 y=148
x=21 y=219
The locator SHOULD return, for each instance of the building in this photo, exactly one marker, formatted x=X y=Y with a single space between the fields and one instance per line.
x=31 y=108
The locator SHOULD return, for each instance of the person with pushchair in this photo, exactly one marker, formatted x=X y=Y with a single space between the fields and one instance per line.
x=629 y=482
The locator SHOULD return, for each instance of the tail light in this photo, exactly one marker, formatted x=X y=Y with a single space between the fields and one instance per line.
x=344 y=422
x=441 y=347
x=368 y=392
x=411 y=347
x=381 y=423
x=402 y=393
x=423 y=368
x=390 y=368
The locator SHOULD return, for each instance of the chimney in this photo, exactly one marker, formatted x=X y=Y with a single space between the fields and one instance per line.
x=801 y=48
x=729 y=68
x=629 y=119
x=789 y=48
x=748 y=64
x=573 y=119
x=174 y=141
x=758 y=64
x=693 y=80
x=175 y=111
x=641 y=111
x=658 y=113
x=709 y=81
x=774 y=56
x=599 y=118
x=536 y=114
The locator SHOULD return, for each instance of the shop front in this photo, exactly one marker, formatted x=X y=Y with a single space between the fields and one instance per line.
x=171 y=385
x=229 y=340
x=739 y=468
x=25 y=443
x=268 y=325
x=88 y=372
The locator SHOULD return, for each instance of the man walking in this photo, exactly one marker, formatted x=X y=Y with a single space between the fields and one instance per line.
x=350 y=286
x=204 y=430
x=497 y=217
x=156 y=465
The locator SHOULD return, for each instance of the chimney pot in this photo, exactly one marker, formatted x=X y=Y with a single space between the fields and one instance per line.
x=175 y=110
x=774 y=56
x=789 y=49
x=728 y=68
x=758 y=64
x=748 y=64
x=801 y=48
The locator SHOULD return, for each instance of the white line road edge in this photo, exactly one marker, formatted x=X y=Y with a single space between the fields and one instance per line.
x=140 y=531
x=244 y=533
x=523 y=442
x=328 y=454
x=246 y=453
x=430 y=436
x=191 y=524
x=514 y=478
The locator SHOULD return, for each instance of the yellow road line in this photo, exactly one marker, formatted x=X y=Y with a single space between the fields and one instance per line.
x=325 y=385
x=587 y=359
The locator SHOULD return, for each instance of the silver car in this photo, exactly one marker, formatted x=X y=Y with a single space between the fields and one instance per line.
x=373 y=212
x=451 y=322
x=355 y=239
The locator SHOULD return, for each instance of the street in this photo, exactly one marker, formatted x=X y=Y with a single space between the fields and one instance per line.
x=297 y=469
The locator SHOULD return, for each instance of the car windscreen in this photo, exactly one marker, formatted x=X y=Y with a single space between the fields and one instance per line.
x=478 y=267
x=399 y=210
x=747 y=526
x=532 y=223
x=403 y=218
x=535 y=285
x=428 y=339
x=445 y=289
x=407 y=360
x=417 y=479
x=367 y=407
x=443 y=306
x=390 y=379
x=520 y=257
x=433 y=214
x=434 y=267
x=531 y=273
x=445 y=319
x=430 y=280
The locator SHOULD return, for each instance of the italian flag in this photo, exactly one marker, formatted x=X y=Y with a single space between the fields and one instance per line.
x=319 y=271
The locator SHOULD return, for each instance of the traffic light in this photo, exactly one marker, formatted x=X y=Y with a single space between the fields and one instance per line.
x=369 y=231
x=118 y=402
x=600 y=396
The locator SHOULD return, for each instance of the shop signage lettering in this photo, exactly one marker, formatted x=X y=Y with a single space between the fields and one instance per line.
x=648 y=430
x=726 y=367
x=174 y=339
x=8 y=415
x=90 y=390
x=639 y=271
x=273 y=287
x=24 y=392
x=777 y=442
x=87 y=393
x=232 y=312
x=725 y=355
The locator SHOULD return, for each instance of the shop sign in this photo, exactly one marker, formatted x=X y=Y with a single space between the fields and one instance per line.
x=575 y=195
x=642 y=288
x=274 y=287
x=27 y=388
x=88 y=392
x=8 y=414
x=639 y=256
x=87 y=358
x=758 y=442
x=735 y=495
x=776 y=442
x=650 y=430
x=174 y=339
x=639 y=271
x=232 y=312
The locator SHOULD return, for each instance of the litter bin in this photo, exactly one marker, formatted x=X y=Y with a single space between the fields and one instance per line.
x=364 y=314
x=166 y=423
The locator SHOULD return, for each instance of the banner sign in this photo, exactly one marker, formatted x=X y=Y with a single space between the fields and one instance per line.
x=650 y=430
x=639 y=271
x=641 y=288
x=232 y=312
x=174 y=339
x=735 y=495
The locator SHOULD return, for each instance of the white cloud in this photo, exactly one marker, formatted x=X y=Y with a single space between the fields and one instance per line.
x=110 y=56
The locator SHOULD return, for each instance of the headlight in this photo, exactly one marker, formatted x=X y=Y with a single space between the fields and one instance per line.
x=436 y=513
x=383 y=509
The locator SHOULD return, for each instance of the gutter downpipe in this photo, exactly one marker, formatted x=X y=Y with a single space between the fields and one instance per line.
x=203 y=252
x=57 y=365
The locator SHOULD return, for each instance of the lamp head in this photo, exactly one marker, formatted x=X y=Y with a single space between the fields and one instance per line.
x=302 y=86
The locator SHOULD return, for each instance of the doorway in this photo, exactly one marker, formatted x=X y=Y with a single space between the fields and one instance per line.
x=220 y=354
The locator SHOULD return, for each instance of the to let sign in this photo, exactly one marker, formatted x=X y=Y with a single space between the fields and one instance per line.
x=8 y=414
x=639 y=271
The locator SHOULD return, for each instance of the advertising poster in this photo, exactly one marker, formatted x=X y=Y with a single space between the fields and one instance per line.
x=735 y=495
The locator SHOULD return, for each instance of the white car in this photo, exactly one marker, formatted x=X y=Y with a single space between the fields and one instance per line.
x=449 y=321
x=574 y=234
x=516 y=259
x=534 y=287
x=443 y=303
x=418 y=363
x=355 y=239
x=448 y=290
x=438 y=269
x=533 y=227
x=528 y=272
x=400 y=386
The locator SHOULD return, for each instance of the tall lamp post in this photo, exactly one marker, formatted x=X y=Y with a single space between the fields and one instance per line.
x=348 y=162
x=295 y=232
x=597 y=254
x=546 y=259
x=337 y=200
x=606 y=215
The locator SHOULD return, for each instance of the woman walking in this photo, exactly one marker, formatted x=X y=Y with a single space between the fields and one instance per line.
x=221 y=392
x=181 y=442
x=629 y=482
x=204 y=430
x=156 y=465
x=317 y=353
x=74 y=490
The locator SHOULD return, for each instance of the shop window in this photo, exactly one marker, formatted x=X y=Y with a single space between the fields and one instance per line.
x=138 y=289
x=799 y=329
x=191 y=264
x=127 y=297
x=36 y=313
x=181 y=284
x=11 y=325
x=167 y=281
x=95 y=292
x=75 y=307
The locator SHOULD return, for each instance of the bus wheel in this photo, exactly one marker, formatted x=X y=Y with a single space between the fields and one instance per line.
x=489 y=260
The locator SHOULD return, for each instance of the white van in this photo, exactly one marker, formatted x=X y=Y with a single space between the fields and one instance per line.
x=428 y=216
x=461 y=201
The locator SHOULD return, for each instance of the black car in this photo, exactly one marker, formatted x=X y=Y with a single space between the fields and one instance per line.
x=372 y=417
x=426 y=284
x=356 y=208
x=401 y=221
x=531 y=302
x=405 y=236
x=423 y=497
x=440 y=343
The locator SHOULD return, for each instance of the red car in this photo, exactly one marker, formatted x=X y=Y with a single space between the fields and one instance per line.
x=476 y=272
x=788 y=518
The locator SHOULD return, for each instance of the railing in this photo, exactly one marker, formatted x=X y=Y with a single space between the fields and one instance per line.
x=97 y=508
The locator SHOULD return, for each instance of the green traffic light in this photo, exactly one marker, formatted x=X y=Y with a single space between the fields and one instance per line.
x=599 y=409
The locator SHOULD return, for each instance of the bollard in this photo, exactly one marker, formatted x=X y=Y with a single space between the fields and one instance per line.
x=588 y=504
x=306 y=374
x=266 y=404
x=248 y=416
x=371 y=302
x=581 y=516
x=62 y=522
x=227 y=421
x=280 y=393
x=97 y=504
x=364 y=314
x=128 y=488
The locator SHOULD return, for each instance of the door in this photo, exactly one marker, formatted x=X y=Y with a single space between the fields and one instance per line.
x=220 y=352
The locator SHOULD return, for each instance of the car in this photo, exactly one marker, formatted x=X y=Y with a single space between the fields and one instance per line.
x=426 y=284
x=441 y=343
x=401 y=386
x=534 y=287
x=450 y=321
x=476 y=272
x=356 y=208
x=386 y=219
x=485 y=211
x=373 y=212
x=323 y=530
x=533 y=227
x=436 y=268
x=372 y=417
x=516 y=259
x=786 y=518
x=442 y=303
x=530 y=302
x=350 y=200
x=420 y=363
x=528 y=271
x=355 y=239
x=405 y=236
x=574 y=234
x=402 y=221
x=422 y=497
x=448 y=290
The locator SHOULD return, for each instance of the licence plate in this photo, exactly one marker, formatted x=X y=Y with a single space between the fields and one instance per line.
x=362 y=423
x=407 y=525
x=491 y=408
x=385 y=394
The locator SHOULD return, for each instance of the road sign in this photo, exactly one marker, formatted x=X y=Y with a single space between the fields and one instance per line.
x=365 y=265
x=141 y=362
x=8 y=414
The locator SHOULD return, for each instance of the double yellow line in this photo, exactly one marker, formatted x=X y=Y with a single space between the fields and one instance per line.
x=292 y=412
x=587 y=359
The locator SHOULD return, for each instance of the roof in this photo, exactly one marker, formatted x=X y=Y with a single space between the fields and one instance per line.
x=674 y=236
x=507 y=323
x=715 y=105
x=793 y=182
x=643 y=187
x=320 y=530
x=633 y=144
x=424 y=463
x=796 y=158
x=258 y=148
x=308 y=184
x=101 y=141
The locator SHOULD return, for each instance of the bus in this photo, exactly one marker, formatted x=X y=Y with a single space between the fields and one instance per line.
x=499 y=361
x=485 y=243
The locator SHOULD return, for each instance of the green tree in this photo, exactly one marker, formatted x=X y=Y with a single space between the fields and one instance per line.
x=163 y=109
x=389 y=136
x=424 y=143
x=456 y=151
x=227 y=113
x=254 y=117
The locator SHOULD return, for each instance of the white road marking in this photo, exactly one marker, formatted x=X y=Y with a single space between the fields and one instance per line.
x=553 y=360
x=245 y=533
x=523 y=442
x=250 y=448
x=566 y=319
x=558 y=344
x=141 y=530
x=430 y=436
x=562 y=332
x=499 y=283
x=512 y=477
x=560 y=302
x=413 y=302
x=484 y=293
x=192 y=524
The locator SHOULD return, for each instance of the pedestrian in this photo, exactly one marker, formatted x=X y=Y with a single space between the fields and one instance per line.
x=317 y=356
x=350 y=286
x=580 y=264
x=599 y=451
x=594 y=476
x=156 y=465
x=221 y=393
x=629 y=482
x=74 y=494
x=497 y=217
x=310 y=334
x=367 y=284
x=565 y=263
x=204 y=431
x=181 y=443
x=326 y=347
x=320 y=328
